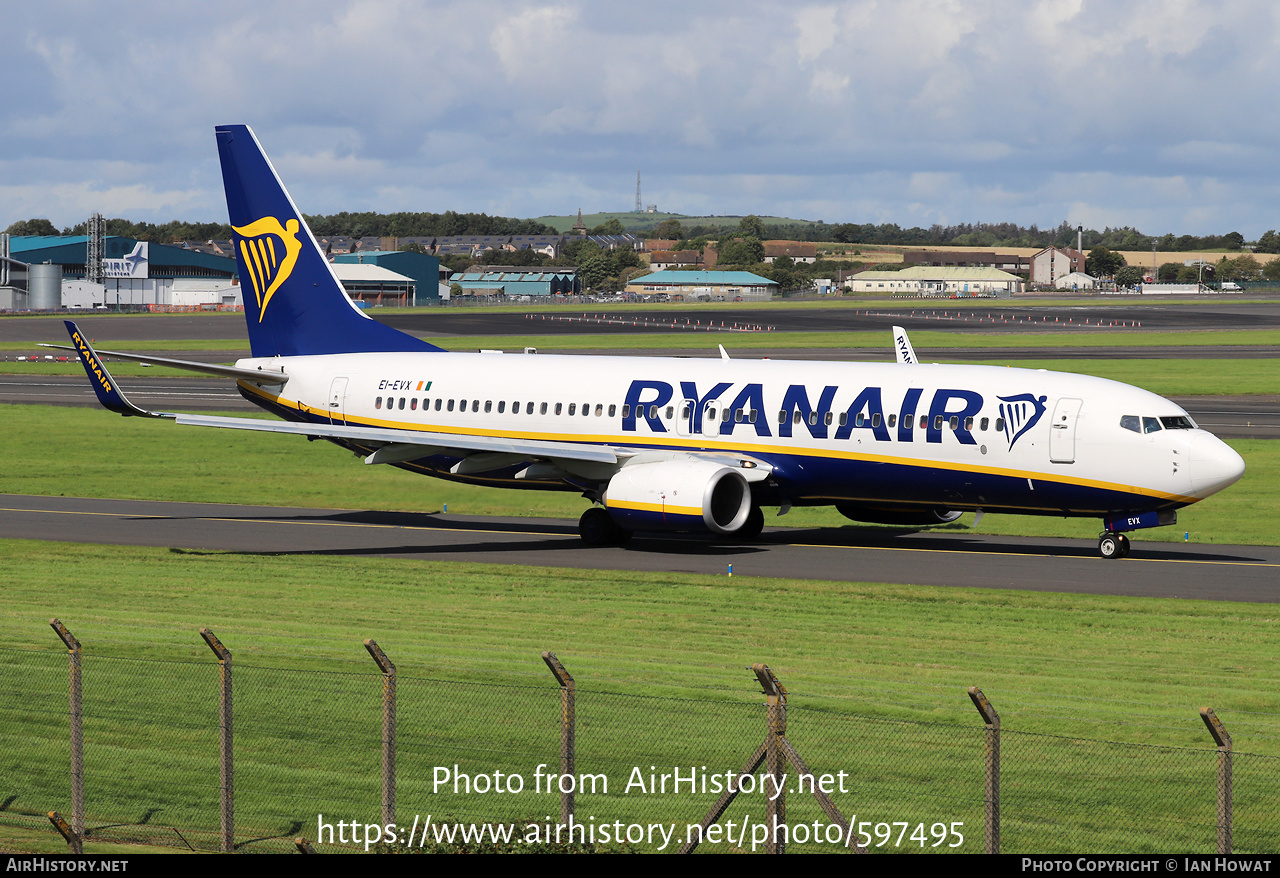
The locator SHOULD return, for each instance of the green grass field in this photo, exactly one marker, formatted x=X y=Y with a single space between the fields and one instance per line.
x=1104 y=750
x=658 y=658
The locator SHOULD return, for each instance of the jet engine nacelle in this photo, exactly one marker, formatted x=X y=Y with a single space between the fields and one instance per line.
x=910 y=517
x=679 y=495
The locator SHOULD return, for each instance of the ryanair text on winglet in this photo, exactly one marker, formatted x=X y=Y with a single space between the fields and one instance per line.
x=87 y=353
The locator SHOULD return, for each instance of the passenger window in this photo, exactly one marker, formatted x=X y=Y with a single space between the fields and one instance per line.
x=937 y=422
x=613 y=408
x=450 y=405
x=893 y=420
x=559 y=407
x=653 y=412
x=488 y=406
x=924 y=422
x=982 y=425
x=475 y=405
x=752 y=416
x=797 y=417
x=813 y=419
x=875 y=420
x=413 y=404
x=859 y=419
x=528 y=409
x=586 y=409
x=573 y=408
x=968 y=423
x=542 y=410
x=999 y=425
x=827 y=419
x=954 y=423
x=844 y=418
x=1150 y=425
x=377 y=403
x=782 y=417
x=502 y=406
x=671 y=411
x=737 y=416
x=438 y=404
x=599 y=409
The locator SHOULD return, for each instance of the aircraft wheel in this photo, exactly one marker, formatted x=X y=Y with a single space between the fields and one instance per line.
x=597 y=528
x=1124 y=545
x=753 y=525
x=1109 y=546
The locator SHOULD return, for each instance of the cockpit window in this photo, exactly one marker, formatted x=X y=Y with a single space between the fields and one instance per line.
x=1131 y=422
x=1178 y=422
x=1150 y=425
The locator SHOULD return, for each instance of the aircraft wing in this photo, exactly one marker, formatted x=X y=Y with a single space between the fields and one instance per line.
x=397 y=445
x=418 y=443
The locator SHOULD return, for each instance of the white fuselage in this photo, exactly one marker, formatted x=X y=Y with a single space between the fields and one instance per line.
x=956 y=437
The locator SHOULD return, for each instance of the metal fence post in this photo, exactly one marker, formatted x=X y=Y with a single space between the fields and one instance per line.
x=1223 y=740
x=76 y=717
x=226 y=775
x=568 y=727
x=388 y=731
x=992 y=719
x=775 y=760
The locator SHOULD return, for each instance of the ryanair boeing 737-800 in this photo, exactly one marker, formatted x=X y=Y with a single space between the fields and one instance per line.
x=676 y=444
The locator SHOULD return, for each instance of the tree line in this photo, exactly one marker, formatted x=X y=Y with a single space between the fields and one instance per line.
x=355 y=225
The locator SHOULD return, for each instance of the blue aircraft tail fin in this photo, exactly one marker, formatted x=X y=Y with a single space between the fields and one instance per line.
x=293 y=302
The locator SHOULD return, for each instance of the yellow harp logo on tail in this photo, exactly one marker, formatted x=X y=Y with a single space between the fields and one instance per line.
x=269 y=251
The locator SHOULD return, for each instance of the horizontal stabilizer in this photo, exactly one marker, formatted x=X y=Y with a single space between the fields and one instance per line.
x=261 y=376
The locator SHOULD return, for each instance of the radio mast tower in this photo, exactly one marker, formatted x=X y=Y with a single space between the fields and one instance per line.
x=638 y=208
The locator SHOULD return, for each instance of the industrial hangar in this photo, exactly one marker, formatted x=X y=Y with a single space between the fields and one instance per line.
x=49 y=272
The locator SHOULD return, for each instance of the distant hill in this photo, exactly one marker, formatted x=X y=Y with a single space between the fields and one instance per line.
x=641 y=222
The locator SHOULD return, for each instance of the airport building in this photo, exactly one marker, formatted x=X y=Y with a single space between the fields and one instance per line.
x=504 y=280
x=49 y=272
x=416 y=278
x=705 y=286
x=929 y=280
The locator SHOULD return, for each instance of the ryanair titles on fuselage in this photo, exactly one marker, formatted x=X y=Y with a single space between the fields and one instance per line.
x=1019 y=413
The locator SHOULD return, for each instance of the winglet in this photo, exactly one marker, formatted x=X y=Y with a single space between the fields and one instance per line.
x=104 y=385
x=902 y=346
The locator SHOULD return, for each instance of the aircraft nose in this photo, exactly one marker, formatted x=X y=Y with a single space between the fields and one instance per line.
x=1214 y=465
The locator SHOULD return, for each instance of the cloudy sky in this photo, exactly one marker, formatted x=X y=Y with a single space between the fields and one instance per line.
x=1159 y=114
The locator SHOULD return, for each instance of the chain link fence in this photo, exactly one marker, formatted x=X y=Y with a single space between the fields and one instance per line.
x=552 y=765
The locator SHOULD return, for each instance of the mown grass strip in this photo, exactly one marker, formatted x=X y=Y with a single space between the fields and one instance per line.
x=1097 y=695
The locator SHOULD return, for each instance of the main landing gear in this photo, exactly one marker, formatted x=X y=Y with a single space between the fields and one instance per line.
x=597 y=528
x=1113 y=545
